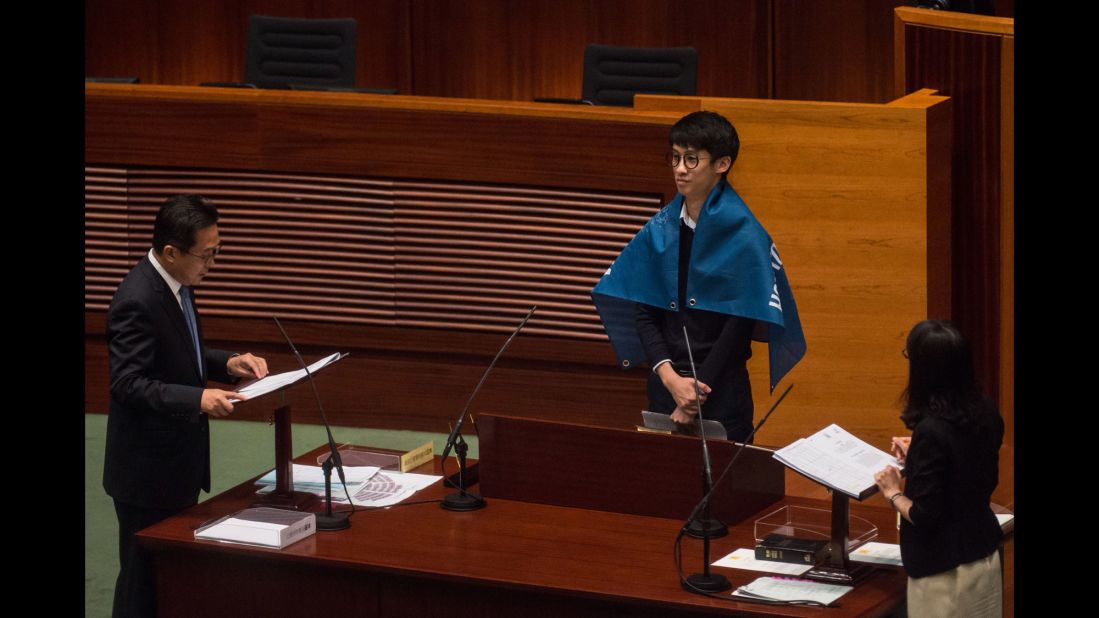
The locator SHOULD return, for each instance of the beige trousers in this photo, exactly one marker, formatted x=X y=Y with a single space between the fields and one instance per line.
x=969 y=590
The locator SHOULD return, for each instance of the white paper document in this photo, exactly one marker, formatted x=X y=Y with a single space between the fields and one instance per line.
x=785 y=589
x=388 y=488
x=835 y=458
x=368 y=485
x=744 y=558
x=878 y=553
x=275 y=381
x=311 y=478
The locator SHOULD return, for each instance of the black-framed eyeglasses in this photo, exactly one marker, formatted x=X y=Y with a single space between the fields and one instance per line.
x=209 y=257
x=690 y=160
x=904 y=352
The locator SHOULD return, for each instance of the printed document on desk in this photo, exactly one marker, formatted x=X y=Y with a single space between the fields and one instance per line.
x=387 y=488
x=786 y=589
x=837 y=459
x=311 y=478
x=745 y=558
x=274 y=382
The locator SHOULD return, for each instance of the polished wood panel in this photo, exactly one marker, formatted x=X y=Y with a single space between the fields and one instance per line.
x=834 y=51
x=963 y=56
x=972 y=59
x=507 y=558
x=848 y=191
x=177 y=42
x=551 y=462
x=520 y=50
x=497 y=49
x=854 y=196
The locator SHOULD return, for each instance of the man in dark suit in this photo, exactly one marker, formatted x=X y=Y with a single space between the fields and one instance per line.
x=158 y=442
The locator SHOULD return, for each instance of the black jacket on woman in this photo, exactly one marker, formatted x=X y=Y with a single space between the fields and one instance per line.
x=951 y=473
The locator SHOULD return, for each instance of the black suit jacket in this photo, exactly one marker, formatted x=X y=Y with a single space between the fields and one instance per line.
x=950 y=474
x=158 y=442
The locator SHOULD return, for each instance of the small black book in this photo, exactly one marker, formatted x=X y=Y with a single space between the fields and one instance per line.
x=780 y=548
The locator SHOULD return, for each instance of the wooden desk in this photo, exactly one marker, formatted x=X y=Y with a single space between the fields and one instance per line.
x=510 y=557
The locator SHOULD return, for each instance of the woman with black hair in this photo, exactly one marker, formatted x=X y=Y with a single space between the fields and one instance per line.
x=949 y=535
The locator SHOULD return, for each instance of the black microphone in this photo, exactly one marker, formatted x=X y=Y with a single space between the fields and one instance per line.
x=706 y=582
x=705 y=527
x=729 y=466
x=327 y=520
x=463 y=500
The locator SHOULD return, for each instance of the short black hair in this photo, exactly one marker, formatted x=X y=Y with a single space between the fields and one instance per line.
x=709 y=131
x=179 y=220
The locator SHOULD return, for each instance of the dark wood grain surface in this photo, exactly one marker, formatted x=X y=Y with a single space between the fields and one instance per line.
x=511 y=557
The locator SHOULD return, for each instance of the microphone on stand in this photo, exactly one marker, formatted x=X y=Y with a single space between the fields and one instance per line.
x=328 y=520
x=704 y=527
x=464 y=500
x=702 y=583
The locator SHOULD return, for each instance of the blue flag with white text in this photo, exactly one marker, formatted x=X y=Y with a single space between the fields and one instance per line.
x=735 y=269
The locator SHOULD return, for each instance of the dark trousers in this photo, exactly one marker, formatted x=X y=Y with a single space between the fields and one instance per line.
x=135 y=590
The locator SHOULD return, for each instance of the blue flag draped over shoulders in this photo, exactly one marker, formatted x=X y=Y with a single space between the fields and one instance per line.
x=735 y=269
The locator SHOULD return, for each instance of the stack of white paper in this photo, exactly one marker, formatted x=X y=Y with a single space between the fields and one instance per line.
x=274 y=382
x=263 y=526
x=837 y=459
x=367 y=485
x=786 y=589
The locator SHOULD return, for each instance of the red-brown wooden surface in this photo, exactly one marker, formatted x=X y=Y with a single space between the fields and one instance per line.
x=507 y=558
x=548 y=462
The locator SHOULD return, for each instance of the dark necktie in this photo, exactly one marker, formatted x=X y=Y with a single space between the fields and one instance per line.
x=188 y=296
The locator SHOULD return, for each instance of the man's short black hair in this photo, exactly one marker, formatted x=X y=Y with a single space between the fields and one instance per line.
x=707 y=131
x=179 y=220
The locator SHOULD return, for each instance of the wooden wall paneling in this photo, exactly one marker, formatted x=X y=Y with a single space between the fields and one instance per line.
x=1007 y=240
x=731 y=37
x=967 y=67
x=843 y=189
x=121 y=38
x=834 y=51
x=186 y=43
x=107 y=255
x=474 y=256
x=496 y=49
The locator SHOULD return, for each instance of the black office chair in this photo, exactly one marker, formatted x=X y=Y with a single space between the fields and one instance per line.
x=288 y=52
x=612 y=74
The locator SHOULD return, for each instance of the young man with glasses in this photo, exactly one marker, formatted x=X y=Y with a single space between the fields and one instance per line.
x=703 y=263
x=158 y=443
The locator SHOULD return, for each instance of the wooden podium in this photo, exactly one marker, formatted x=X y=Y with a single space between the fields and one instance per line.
x=580 y=521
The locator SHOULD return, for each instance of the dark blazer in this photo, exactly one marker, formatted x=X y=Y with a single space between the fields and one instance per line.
x=158 y=442
x=950 y=475
x=721 y=345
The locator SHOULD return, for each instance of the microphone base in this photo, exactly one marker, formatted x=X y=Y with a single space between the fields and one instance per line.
x=706 y=582
x=707 y=528
x=333 y=522
x=462 y=501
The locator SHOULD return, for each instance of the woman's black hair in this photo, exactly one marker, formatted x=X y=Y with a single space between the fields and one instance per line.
x=941 y=381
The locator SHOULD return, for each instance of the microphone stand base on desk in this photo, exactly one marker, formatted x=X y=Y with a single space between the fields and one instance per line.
x=707 y=582
x=462 y=500
x=330 y=521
